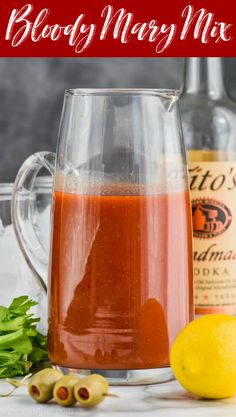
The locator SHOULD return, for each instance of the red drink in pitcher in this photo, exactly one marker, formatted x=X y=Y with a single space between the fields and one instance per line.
x=126 y=259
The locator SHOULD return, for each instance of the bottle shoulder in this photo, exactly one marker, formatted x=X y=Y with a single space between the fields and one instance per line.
x=193 y=102
x=207 y=123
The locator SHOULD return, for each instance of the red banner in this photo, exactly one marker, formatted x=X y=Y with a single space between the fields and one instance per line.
x=121 y=28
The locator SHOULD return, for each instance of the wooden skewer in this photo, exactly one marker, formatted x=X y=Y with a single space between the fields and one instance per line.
x=15 y=384
x=110 y=394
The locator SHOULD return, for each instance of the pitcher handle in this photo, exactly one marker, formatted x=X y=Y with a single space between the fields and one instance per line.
x=21 y=212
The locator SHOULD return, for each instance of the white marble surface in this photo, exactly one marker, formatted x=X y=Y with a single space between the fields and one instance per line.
x=164 y=400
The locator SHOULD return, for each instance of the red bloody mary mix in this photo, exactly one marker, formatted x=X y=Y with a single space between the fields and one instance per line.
x=121 y=275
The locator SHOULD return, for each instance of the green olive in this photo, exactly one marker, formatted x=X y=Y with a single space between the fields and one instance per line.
x=41 y=385
x=91 y=390
x=63 y=391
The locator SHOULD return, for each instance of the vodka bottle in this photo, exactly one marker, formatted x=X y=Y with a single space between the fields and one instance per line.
x=209 y=126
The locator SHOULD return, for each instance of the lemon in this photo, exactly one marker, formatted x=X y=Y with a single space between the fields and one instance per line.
x=203 y=356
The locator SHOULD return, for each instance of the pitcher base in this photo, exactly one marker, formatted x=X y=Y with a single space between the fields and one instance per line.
x=127 y=377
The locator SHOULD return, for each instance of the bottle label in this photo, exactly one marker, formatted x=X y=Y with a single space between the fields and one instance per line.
x=213 y=196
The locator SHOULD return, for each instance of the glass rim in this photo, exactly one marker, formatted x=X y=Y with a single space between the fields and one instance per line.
x=154 y=92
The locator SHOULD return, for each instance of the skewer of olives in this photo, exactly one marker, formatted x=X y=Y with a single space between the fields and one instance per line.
x=68 y=389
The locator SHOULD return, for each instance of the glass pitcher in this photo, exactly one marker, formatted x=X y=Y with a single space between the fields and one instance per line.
x=120 y=264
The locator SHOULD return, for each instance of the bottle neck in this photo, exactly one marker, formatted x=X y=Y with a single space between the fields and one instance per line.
x=204 y=76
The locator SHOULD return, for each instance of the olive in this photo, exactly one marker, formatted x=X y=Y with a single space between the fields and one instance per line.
x=41 y=384
x=91 y=390
x=63 y=391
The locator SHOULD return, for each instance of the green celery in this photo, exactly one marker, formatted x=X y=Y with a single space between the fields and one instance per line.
x=21 y=345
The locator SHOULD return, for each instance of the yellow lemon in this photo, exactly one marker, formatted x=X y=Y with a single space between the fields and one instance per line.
x=203 y=356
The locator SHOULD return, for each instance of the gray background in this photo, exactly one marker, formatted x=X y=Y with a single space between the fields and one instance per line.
x=31 y=95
